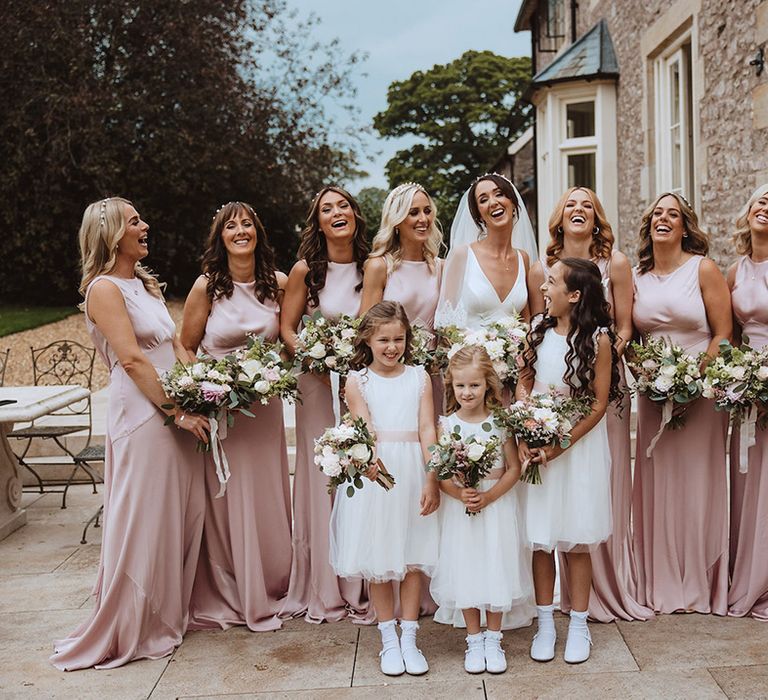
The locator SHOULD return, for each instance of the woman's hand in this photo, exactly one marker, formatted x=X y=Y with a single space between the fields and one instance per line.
x=430 y=498
x=373 y=470
x=524 y=452
x=477 y=501
x=547 y=454
x=196 y=424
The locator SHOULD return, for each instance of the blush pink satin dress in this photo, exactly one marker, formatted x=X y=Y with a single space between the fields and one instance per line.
x=314 y=590
x=680 y=505
x=245 y=562
x=153 y=510
x=748 y=594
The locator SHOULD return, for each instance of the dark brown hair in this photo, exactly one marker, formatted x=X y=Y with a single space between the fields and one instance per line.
x=378 y=314
x=313 y=247
x=216 y=259
x=477 y=356
x=502 y=183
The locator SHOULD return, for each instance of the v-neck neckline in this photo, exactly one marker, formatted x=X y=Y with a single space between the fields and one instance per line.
x=490 y=284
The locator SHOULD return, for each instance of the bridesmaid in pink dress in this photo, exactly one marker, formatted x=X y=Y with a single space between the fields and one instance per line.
x=748 y=280
x=579 y=228
x=245 y=562
x=404 y=266
x=680 y=504
x=153 y=481
x=328 y=277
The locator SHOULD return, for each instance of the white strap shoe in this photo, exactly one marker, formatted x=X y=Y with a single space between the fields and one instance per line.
x=543 y=645
x=474 y=656
x=495 y=661
x=577 y=645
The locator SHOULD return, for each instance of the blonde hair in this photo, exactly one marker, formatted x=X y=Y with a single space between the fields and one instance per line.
x=102 y=228
x=602 y=241
x=386 y=243
x=472 y=355
x=742 y=236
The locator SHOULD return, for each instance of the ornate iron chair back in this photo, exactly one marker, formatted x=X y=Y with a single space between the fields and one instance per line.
x=3 y=364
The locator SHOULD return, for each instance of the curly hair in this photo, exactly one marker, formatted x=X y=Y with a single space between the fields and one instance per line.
x=377 y=315
x=506 y=187
x=696 y=241
x=475 y=356
x=742 y=236
x=216 y=259
x=590 y=313
x=601 y=245
x=313 y=247
x=386 y=243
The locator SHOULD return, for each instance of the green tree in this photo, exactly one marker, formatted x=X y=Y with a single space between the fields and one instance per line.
x=371 y=200
x=179 y=106
x=464 y=113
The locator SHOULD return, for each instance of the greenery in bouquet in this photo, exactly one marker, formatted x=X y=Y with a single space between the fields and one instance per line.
x=543 y=420
x=465 y=460
x=262 y=373
x=326 y=346
x=424 y=350
x=345 y=452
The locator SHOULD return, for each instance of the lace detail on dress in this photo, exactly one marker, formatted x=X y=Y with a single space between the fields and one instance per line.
x=361 y=382
x=449 y=315
x=596 y=335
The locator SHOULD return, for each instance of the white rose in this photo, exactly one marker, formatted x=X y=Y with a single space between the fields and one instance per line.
x=475 y=451
x=198 y=370
x=262 y=386
x=500 y=367
x=348 y=333
x=663 y=384
x=344 y=432
x=668 y=371
x=251 y=368
x=186 y=381
x=495 y=349
x=344 y=349
x=518 y=332
x=317 y=351
x=649 y=364
x=330 y=362
x=708 y=392
x=360 y=452
x=738 y=372
x=330 y=465
x=762 y=373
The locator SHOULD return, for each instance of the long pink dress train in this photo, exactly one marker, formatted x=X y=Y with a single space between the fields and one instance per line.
x=245 y=561
x=153 y=510
x=748 y=594
x=614 y=574
x=314 y=589
x=680 y=504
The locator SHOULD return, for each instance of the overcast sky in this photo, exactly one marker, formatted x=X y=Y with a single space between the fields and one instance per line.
x=403 y=36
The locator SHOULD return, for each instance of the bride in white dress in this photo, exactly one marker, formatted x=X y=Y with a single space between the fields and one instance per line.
x=492 y=244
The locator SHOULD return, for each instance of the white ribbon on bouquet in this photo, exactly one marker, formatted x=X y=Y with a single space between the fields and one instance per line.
x=666 y=416
x=218 y=433
x=746 y=437
x=335 y=378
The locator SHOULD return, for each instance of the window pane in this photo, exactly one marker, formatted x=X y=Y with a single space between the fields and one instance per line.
x=580 y=119
x=581 y=170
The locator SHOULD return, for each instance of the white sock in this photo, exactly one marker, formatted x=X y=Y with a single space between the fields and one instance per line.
x=546 y=617
x=475 y=637
x=408 y=637
x=388 y=632
x=579 y=619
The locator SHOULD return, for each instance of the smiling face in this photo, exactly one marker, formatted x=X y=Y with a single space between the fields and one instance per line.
x=578 y=214
x=134 y=242
x=416 y=226
x=239 y=234
x=557 y=298
x=495 y=208
x=667 y=224
x=757 y=217
x=387 y=343
x=469 y=386
x=335 y=217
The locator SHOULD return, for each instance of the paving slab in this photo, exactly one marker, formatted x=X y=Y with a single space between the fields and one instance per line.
x=40 y=592
x=742 y=682
x=696 y=641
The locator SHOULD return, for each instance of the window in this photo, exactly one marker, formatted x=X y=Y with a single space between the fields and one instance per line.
x=551 y=29
x=578 y=144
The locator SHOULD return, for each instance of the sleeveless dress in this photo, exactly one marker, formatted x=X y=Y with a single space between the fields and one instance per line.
x=314 y=589
x=245 y=562
x=614 y=573
x=377 y=534
x=572 y=505
x=483 y=562
x=680 y=509
x=748 y=594
x=154 y=506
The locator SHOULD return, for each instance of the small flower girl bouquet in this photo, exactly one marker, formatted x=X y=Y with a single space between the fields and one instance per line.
x=466 y=461
x=206 y=387
x=326 y=346
x=262 y=374
x=666 y=374
x=737 y=380
x=345 y=452
x=424 y=350
x=543 y=420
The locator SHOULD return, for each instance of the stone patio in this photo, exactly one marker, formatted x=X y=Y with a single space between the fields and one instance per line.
x=46 y=575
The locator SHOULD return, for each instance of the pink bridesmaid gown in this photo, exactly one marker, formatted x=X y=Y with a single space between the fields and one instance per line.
x=748 y=594
x=680 y=503
x=153 y=510
x=314 y=590
x=245 y=562
x=614 y=573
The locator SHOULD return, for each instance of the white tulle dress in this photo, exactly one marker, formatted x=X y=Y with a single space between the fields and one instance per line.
x=572 y=505
x=376 y=534
x=483 y=561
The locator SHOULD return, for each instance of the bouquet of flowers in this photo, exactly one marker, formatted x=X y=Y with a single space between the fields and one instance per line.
x=467 y=461
x=503 y=340
x=262 y=374
x=737 y=380
x=345 y=452
x=666 y=374
x=326 y=346
x=424 y=351
x=206 y=387
x=542 y=420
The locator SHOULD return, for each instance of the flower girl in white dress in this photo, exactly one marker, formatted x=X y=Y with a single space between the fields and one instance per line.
x=388 y=536
x=483 y=567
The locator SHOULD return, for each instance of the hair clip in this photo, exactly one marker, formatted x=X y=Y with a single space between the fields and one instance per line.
x=486 y=175
x=406 y=185
x=103 y=213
